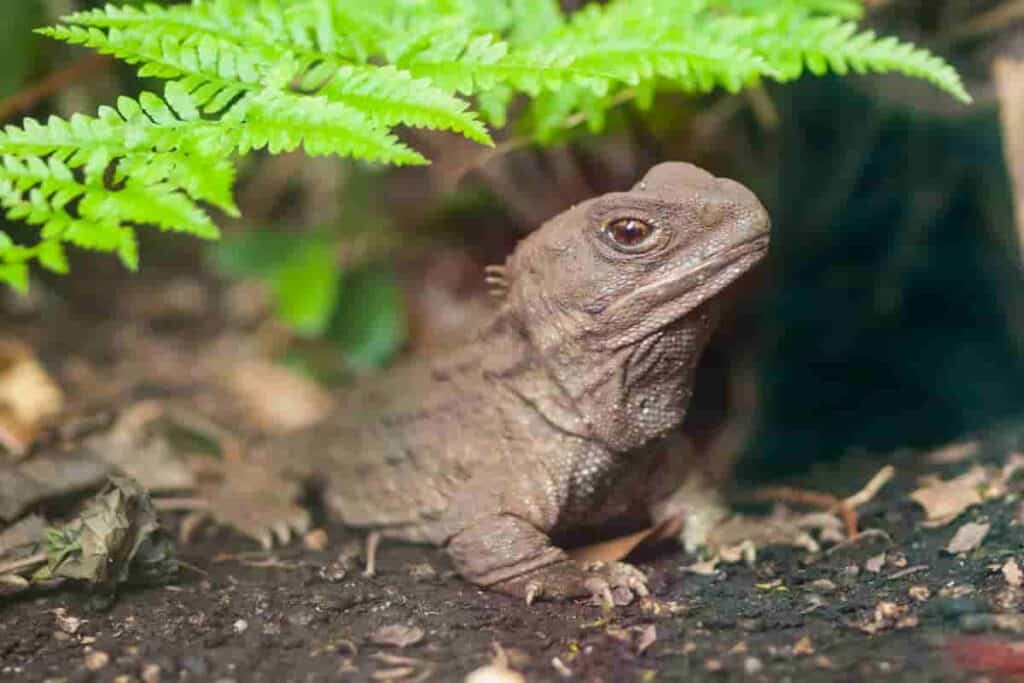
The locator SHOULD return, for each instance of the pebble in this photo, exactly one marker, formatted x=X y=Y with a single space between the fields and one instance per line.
x=96 y=660
x=302 y=616
x=196 y=665
x=151 y=673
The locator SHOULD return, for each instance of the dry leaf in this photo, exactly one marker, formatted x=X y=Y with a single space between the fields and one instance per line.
x=887 y=615
x=968 y=537
x=29 y=398
x=953 y=453
x=803 y=647
x=875 y=564
x=1012 y=573
x=943 y=500
x=619 y=548
x=397 y=635
x=704 y=567
x=276 y=399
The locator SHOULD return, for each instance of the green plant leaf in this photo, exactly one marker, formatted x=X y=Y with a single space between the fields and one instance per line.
x=305 y=287
x=370 y=321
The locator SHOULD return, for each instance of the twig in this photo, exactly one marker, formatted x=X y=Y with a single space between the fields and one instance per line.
x=28 y=98
x=845 y=507
x=814 y=499
x=871 y=489
x=908 y=571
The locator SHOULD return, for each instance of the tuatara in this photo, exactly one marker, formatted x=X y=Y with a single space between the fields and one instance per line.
x=548 y=420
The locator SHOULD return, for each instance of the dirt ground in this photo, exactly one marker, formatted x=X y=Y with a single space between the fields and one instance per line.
x=303 y=615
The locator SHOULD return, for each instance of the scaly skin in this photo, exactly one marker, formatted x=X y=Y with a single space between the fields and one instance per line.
x=548 y=419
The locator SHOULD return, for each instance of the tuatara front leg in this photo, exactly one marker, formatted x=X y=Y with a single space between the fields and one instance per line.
x=508 y=554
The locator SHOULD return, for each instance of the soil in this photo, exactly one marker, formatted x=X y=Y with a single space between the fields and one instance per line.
x=303 y=615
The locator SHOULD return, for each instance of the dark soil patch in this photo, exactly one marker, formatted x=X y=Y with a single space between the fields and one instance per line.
x=790 y=616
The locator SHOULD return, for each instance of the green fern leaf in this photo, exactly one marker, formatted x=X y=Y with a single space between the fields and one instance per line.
x=397 y=97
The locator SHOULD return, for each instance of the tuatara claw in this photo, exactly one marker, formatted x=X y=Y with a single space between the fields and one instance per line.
x=534 y=590
x=601 y=591
x=616 y=583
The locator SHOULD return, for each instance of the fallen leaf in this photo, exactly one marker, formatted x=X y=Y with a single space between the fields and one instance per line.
x=397 y=635
x=920 y=593
x=137 y=444
x=887 y=615
x=953 y=453
x=968 y=537
x=24 y=531
x=67 y=623
x=45 y=477
x=875 y=564
x=115 y=537
x=704 y=567
x=943 y=501
x=619 y=548
x=803 y=647
x=29 y=398
x=277 y=399
x=1012 y=573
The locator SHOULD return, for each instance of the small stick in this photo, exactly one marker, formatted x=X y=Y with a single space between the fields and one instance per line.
x=50 y=85
x=845 y=507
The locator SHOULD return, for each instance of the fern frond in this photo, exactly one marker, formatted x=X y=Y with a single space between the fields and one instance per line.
x=338 y=77
x=395 y=97
x=824 y=44
x=282 y=122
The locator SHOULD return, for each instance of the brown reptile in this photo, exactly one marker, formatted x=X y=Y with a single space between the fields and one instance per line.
x=549 y=419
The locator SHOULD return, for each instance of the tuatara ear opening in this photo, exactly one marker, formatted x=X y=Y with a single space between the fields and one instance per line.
x=497 y=281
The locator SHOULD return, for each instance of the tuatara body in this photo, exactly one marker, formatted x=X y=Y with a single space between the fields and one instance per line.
x=548 y=420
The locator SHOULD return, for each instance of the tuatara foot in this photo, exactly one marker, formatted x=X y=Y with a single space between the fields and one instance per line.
x=256 y=502
x=607 y=583
x=507 y=554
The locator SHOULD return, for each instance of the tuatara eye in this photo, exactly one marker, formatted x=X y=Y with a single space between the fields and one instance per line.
x=629 y=232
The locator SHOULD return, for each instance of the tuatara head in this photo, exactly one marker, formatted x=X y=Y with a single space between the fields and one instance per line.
x=612 y=270
x=612 y=292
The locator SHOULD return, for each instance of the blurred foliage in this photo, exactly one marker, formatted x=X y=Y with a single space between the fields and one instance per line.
x=20 y=46
x=335 y=78
x=359 y=310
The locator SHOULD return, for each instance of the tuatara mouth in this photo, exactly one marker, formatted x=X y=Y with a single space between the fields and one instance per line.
x=710 y=277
